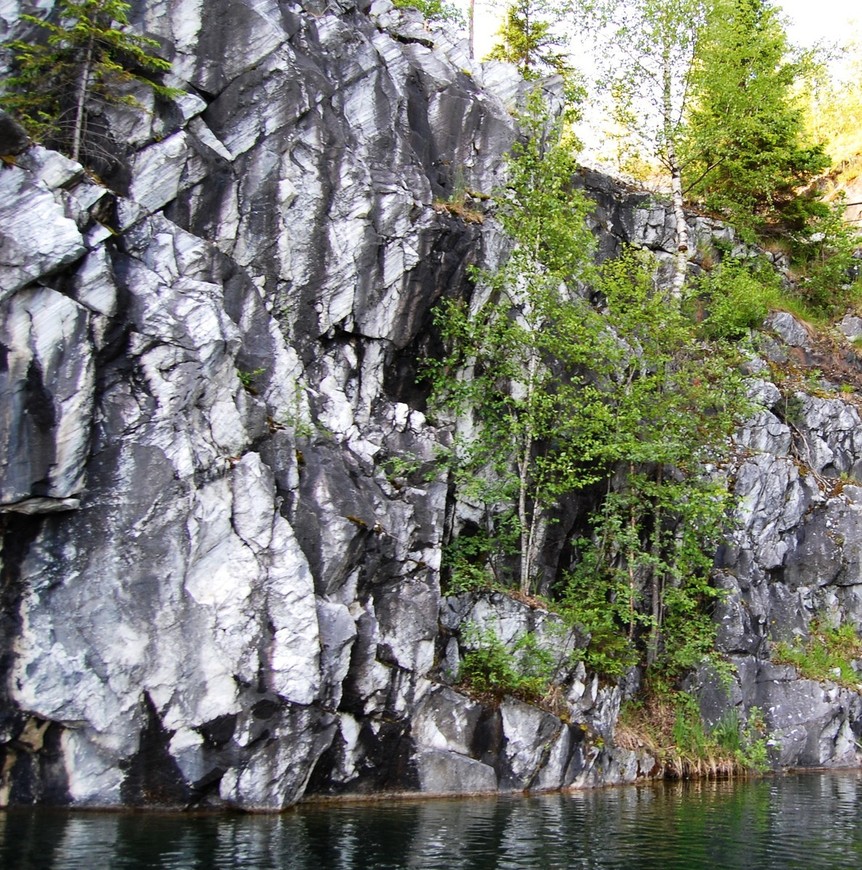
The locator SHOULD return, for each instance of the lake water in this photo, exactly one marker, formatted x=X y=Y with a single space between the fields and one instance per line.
x=806 y=822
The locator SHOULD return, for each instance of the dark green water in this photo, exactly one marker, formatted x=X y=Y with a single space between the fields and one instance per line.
x=805 y=822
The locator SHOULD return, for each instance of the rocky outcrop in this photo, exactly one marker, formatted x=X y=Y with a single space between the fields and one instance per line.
x=210 y=579
x=792 y=559
x=221 y=546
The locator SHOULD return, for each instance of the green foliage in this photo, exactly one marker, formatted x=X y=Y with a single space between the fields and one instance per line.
x=674 y=403
x=247 y=378
x=399 y=467
x=835 y=106
x=688 y=732
x=668 y=723
x=827 y=654
x=744 y=739
x=433 y=10
x=519 y=367
x=746 y=151
x=477 y=561
x=601 y=603
x=525 y=671
x=555 y=396
x=88 y=57
x=737 y=295
x=530 y=38
x=643 y=52
x=527 y=38
x=824 y=262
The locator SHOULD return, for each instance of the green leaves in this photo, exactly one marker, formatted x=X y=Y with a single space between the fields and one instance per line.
x=736 y=296
x=674 y=402
x=747 y=154
x=519 y=368
x=827 y=654
x=553 y=396
x=526 y=671
x=528 y=40
x=434 y=10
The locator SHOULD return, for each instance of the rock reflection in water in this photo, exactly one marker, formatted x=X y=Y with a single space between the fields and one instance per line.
x=800 y=822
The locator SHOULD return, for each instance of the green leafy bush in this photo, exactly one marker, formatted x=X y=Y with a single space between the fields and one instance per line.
x=823 y=259
x=489 y=666
x=669 y=725
x=736 y=295
x=433 y=10
x=605 y=607
x=478 y=559
x=744 y=739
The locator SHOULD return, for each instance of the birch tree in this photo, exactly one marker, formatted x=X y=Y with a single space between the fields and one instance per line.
x=645 y=51
x=520 y=369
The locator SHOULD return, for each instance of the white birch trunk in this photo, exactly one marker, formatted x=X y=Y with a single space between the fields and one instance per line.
x=81 y=99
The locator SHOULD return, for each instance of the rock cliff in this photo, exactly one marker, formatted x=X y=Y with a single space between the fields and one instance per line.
x=221 y=577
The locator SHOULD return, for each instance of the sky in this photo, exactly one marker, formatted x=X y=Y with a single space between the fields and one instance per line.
x=813 y=20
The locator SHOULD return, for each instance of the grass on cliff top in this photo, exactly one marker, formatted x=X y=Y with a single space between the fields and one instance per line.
x=826 y=655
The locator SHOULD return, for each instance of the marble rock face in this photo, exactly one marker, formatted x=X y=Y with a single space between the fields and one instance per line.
x=221 y=540
x=210 y=578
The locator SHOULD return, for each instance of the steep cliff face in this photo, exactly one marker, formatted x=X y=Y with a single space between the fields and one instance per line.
x=207 y=576
x=219 y=586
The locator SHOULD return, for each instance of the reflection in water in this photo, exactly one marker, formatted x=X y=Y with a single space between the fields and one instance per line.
x=772 y=824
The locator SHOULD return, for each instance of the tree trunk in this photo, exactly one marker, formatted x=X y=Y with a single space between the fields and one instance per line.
x=83 y=89
x=471 y=24
x=657 y=585
x=523 y=515
x=526 y=522
x=680 y=266
x=630 y=558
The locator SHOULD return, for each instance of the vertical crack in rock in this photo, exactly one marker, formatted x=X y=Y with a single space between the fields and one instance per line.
x=152 y=777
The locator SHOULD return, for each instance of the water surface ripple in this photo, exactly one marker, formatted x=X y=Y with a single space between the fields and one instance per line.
x=806 y=822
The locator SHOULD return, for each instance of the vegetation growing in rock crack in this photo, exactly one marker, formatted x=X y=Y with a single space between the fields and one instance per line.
x=489 y=666
x=828 y=653
x=84 y=57
x=669 y=726
x=623 y=403
x=433 y=10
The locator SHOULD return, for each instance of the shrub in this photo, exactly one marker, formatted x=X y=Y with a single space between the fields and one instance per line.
x=668 y=724
x=736 y=295
x=489 y=666
x=825 y=264
x=433 y=10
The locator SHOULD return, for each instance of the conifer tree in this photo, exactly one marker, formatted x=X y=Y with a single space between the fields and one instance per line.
x=746 y=144
x=88 y=56
x=527 y=39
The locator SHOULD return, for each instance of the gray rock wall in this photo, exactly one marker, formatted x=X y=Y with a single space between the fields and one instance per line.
x=217 y=587
x=209 y=580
